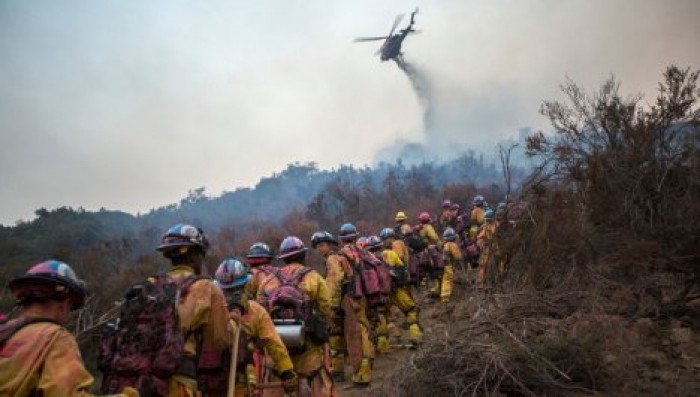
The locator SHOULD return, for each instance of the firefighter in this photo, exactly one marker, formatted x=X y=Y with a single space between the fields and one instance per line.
x=259 y=257
x=394 y=253
x=435 y=263
x=426 y=230
x=447 y=216
x=202 y=311
x=312 y=360
x=485 y=241
x=476 y=216
x=379 y=312
x=38 y=356
x=363 y=374
x=261 y=339
x=388 y=237
x=347 y=306
x=453 y=259
x=402 y=228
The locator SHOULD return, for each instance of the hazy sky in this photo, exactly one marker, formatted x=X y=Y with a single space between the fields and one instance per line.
x=128 y=104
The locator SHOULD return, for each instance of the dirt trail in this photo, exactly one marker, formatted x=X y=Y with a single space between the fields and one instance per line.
x=434 y=318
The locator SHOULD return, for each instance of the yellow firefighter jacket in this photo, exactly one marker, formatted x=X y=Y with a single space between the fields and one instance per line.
x=43 y=359
x=401 y=250
x=453 y=256
x=428 y=233
x=258 y=325
x=392 y=258
x=203 y=310
x=338 y=272
x=477 y=216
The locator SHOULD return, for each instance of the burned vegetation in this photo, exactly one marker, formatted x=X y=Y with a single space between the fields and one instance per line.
x=601 y=295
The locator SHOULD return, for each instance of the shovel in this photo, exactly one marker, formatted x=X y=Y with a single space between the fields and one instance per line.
x=234 y=358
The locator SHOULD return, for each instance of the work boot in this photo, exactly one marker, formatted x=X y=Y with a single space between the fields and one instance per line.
x=415 y=334
x=383 y=345
x=363 y=376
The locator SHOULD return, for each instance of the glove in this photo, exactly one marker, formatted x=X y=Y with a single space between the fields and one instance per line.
x=290 y=381
x=130 y=392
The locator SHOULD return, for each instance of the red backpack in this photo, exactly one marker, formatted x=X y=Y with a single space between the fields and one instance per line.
x=287 y=301
x=289 y=305
x=371 y=273
x=144 y=347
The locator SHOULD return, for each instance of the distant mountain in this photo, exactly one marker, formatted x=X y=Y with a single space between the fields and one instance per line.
x=66 y=233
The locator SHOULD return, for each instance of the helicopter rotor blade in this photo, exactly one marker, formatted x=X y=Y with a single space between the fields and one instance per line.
x=360 y=39
x=396 y=23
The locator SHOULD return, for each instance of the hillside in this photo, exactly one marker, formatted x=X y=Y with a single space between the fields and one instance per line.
x=601 y=289
x=302 y=194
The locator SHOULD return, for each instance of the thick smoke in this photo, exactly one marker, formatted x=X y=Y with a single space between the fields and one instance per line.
x=444 y=137
x=422 y=88
x=430 y=149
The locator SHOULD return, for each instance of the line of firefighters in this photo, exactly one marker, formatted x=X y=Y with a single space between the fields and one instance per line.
x=299 y=328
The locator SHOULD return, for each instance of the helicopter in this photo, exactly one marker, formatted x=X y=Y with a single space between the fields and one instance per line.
x=391 y=48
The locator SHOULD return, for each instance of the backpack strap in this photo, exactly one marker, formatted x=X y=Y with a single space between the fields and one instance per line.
x=12 y=327
x=348 y=269
x=295 y=278
x=302 y=273
x=189 y=280
x=266 y=269
x=352 y=261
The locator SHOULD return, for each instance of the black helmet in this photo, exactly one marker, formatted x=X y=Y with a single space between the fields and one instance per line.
x=348 y=233
x=322 y=237
x=259 y=254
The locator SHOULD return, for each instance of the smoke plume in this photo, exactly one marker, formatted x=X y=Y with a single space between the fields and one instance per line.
x=429 y=149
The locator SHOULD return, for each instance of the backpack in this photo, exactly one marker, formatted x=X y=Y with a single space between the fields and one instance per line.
x=447 y=219
x=437 y=258
x=287 y=301
x=415 y=242
x=471 y=250
x=371 y=273
x=144 y=347
x=289 y=306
